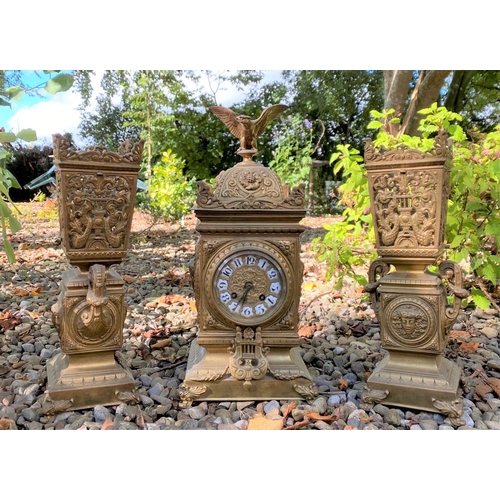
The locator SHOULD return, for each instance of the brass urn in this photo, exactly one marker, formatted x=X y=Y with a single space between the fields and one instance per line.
x=96 y=195
x=409 y=192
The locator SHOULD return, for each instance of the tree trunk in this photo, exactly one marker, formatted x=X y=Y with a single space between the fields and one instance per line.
x=396 y=88
x=428 y=93
x=455 y=98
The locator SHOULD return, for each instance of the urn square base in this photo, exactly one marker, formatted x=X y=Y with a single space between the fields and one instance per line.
x=87 y=379
x=416 y=380
x=209 y=377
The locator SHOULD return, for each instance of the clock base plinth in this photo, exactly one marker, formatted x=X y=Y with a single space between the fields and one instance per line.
x=87 y=379
x=416 y=380
x=209 y=378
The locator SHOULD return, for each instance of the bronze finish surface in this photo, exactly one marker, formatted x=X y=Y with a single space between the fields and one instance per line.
x=247 y=279
x=96 y=191
x=408 y=194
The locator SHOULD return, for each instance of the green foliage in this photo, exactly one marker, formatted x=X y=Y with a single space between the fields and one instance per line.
x=349 y=243
x=473 y=223
x=292 y=156
x=59 y=83
x=171 y=195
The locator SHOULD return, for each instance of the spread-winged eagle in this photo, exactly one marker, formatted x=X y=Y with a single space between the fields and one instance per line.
x=243 y=127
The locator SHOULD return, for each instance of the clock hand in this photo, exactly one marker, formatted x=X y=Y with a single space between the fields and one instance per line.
x=246 y=291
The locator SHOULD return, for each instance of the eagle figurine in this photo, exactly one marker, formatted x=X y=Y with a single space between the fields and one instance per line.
x=243 y=127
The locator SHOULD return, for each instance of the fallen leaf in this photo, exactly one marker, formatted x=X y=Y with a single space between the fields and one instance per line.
x=298 y=425
x=192 y=306
x=309 y=286
x=158 y=332
x=20 y=292
x=289 y=409
x=174 y=298
x=343 y=384
x=325 y=418
x=128 y=279
x=495 y=383
x=350 y=428
x=468 y=347
x=261 y=423
x=161 y=343
x=306 y=331
x=33 y=315
x=6 y=424
x=482 y=388
x=8 y=321
x=458 y=335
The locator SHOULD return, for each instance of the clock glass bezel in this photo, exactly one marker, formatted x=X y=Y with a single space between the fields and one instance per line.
x=260 y=285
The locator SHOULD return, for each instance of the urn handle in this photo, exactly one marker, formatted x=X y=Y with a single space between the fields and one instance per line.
x=451 y=273
x=378 y=269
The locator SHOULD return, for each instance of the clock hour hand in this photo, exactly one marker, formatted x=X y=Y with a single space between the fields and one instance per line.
x=246 y=291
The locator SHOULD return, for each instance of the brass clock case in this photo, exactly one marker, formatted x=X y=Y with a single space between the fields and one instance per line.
x=249 y=283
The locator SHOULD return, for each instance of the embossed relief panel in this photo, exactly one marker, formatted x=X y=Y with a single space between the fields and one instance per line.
x=412 y=321
x=98 y=210
x=96 y=199
x=408 y=192
x=407 y=207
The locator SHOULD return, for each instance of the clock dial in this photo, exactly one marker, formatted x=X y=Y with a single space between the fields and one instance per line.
x=249 y=286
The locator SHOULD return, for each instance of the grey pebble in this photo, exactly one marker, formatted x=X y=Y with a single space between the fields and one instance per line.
x=392 y=417
x=337 y=399
x=101 y=413
x=272 y=405
x=428 y=425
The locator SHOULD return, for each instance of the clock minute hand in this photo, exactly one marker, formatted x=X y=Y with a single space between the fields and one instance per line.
x=246 y=291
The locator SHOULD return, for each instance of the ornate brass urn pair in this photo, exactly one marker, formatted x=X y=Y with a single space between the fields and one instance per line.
x=409 y=194
x=96 y=190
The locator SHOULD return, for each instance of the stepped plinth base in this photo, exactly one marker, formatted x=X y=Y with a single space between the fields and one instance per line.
x=416 y=380
x=209 y=377
x=87 y=379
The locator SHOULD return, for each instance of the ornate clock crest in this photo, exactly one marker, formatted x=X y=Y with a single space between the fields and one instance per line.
x=247 y=280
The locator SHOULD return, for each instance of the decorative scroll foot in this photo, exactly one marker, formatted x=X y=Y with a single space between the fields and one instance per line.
x=370 y=398
x=189 y=394
x=453 y=410
x=307 y=392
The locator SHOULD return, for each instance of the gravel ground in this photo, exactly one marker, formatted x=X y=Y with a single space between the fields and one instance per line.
x=340 y=344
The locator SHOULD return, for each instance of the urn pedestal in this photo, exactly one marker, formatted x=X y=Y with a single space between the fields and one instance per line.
x=96 y=190
x=409 y=195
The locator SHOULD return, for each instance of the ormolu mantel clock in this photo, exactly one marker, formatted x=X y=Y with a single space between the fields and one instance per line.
x=247 y=280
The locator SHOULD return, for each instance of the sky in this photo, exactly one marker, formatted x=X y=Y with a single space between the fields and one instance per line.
x=49 y=114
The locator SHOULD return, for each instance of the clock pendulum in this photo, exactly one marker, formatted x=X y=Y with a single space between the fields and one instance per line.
x=247 y=281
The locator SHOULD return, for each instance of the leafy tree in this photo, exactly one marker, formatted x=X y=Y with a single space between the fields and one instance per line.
x=472 y=93
x=341 y=99
x=106 y=125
